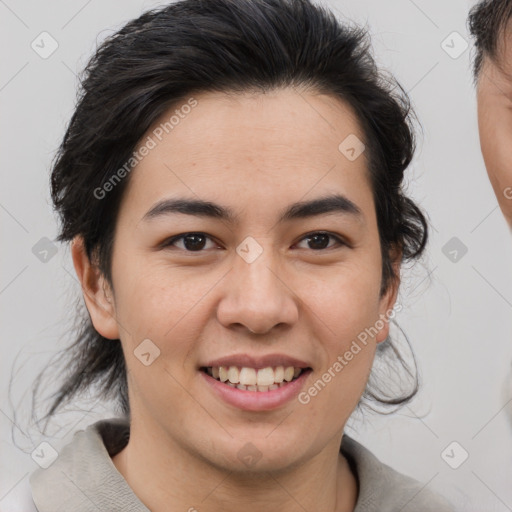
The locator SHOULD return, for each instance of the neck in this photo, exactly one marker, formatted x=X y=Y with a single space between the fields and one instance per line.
x=167 y=477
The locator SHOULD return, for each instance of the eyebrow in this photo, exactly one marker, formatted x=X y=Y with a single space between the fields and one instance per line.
x=333 y=204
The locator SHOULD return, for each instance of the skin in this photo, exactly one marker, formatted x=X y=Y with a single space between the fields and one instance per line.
x=257 y=154
x=494 y=100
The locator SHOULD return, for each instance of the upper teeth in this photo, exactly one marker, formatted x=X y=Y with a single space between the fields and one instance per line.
x=252 y=377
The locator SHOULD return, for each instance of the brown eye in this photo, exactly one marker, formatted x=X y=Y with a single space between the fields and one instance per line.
x=192 y=242
x=320 y=240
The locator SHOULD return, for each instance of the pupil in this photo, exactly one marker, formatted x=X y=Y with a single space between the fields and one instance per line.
x=195 y=245
x=325 y=239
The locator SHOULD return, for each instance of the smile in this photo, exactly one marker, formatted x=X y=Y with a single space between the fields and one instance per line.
x=279 y=385
x=252 y=379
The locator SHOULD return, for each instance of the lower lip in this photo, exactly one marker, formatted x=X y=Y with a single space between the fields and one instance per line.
x=257 y=400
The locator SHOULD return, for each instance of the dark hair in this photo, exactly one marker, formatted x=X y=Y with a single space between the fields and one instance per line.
x=488 y=21
x=231 y=46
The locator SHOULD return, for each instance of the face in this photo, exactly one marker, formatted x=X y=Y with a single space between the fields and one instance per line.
x=494 y=96
x=281 y=281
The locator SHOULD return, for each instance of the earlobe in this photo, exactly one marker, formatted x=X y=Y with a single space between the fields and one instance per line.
x=97 y=291
x=388 y=302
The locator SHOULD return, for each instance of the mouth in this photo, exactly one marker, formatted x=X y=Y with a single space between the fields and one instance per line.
x=255 y=379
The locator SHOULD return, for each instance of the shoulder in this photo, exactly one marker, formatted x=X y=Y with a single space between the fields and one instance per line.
x=19 y=499
x=383 y=489
x=82 y=467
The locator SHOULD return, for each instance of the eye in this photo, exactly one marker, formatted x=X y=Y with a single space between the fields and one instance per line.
x=320 y=240
x=196 y=242
x=192 y=242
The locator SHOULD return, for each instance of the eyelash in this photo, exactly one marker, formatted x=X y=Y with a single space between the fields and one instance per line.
x=169 y=242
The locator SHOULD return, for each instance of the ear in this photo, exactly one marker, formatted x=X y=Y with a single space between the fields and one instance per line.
x=98 y=295
x=388 y=300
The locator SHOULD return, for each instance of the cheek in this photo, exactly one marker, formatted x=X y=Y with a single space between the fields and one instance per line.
x=346 y=296
x=495 y=125
x=346 y=311
x=338 y=385
x=159 y=303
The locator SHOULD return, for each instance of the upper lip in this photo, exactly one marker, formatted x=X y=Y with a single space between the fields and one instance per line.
x=257 y=362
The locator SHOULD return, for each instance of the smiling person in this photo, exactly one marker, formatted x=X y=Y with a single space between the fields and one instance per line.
x=231 y=185
x=489 y=24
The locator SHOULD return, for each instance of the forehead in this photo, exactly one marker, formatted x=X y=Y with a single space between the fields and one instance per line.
x=281 y=144
x=281 y=118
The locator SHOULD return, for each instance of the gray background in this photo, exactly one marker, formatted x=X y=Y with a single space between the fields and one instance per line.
x=456 y=314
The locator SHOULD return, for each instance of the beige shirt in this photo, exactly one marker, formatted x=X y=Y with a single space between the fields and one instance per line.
x=83 y=478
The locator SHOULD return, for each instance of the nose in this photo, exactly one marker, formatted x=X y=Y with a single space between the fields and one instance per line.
x=257 y=296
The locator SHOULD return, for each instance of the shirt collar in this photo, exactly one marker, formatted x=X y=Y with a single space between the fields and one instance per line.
x=88 y=480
